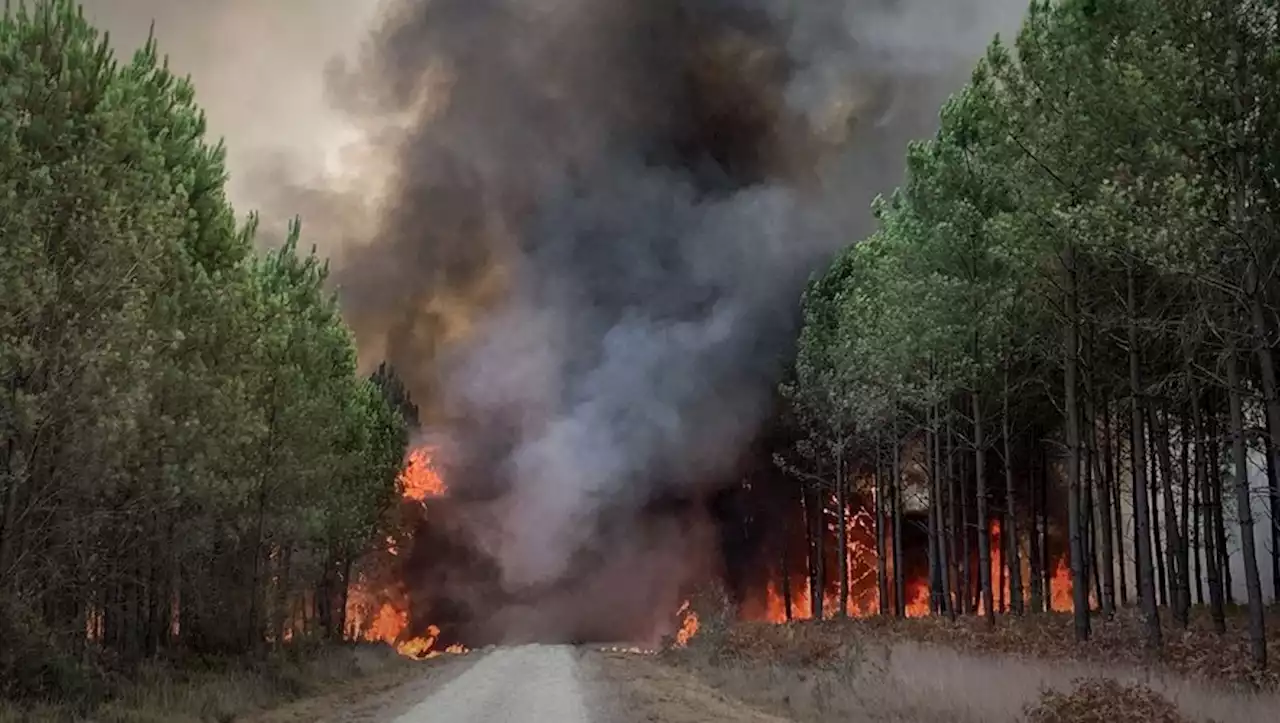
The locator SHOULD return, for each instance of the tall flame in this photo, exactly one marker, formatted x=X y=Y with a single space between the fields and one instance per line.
x=420 y=482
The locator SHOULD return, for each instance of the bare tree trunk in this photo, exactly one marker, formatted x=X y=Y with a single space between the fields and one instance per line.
x=966 y=544
x=1122 y=562
x=1161 y=430
x=984 y=534
x=940 y=520
x=842 y=536
x=1216 y=551
x=899 y=580
x=936 y=578
x=1079 y=578
x=1107 y=480
x=1142 y=520
x=882 y=574
x=1273 y=494
x=786 y=552
x=1162 y=581
x=1257 y=621
x=1184 y=499
x=953 y=499
x=1010 y=532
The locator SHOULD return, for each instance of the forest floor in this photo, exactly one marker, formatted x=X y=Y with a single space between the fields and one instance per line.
x=931 y=670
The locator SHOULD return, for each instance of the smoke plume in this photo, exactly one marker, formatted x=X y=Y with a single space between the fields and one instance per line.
x=580 y=230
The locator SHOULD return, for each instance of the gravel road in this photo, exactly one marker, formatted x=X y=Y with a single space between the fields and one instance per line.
x=534 y=683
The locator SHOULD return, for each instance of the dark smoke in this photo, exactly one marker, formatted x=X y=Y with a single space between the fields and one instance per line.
x=605 y=211
x=580 y=229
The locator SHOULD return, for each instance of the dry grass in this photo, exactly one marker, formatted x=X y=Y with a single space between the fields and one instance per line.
x=1197 y=652
x=222 y=692
x=1100 y=700
x=932 y=670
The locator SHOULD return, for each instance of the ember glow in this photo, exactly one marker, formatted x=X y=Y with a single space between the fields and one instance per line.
x=688 y=625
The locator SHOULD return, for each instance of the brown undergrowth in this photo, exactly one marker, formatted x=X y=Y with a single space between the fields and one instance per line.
x=1099 y=700
x=937 y=671
x=1196 y=652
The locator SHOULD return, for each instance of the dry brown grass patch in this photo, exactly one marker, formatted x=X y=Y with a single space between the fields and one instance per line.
x=1101 y=700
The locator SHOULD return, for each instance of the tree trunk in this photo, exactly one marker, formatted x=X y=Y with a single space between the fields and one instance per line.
x=1010 y=532
x=936 y=546
x=1122 y=562
x=1079 y=579
x=899 y=580
x=1158 y=556
x=1184 y=500
x=1161 y=431
x=1273 y=495
x=1216 y=529
x=1107 y=480
x=1142 y=520
x=785 y=575
x=984 y=533
x=882 y=576
x=953 y=498
x=1257 y=622
x=842 y=536
x=966 y=544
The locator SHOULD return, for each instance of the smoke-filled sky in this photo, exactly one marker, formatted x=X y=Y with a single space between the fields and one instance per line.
x=579 y=228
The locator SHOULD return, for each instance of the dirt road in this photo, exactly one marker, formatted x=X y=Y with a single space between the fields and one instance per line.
x=530 y=684
x=560 y=684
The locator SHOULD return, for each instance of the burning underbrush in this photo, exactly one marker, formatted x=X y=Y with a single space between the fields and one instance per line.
x=378 y=607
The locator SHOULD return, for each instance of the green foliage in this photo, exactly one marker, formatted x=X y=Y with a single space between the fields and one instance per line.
x=1093 y=221
x=186 y=448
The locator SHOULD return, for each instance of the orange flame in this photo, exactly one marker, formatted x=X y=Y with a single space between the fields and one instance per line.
x=863 y=601
x=376 y=619
x=688 y=625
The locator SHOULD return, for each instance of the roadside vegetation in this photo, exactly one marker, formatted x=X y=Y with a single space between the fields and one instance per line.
x=1065 y=328
x=190 y=465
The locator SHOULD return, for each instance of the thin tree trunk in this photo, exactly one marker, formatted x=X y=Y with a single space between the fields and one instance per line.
x=1142 y=520
x=931 y=467
x=953 y=500
x=984 y=533
x=966 y=559
x=1010 y=531
x=1197 y=507
x=1121 y=560
x=842 y=536
x=1046 y=571
x=1184 y=500
x=1079 y=578
x=1108 y=588
x=899 y=580
x=1273 y=494
x=1257 y=621
x=1180 y=612
x=1033 y=551
x=1215 y=537
x=786 y=549
x=882 y=576
x=1158 y=553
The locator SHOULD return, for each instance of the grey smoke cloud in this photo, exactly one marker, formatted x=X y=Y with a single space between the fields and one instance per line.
x=579 y=228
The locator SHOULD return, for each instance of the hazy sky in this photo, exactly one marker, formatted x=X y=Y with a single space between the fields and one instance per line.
x=258 y=66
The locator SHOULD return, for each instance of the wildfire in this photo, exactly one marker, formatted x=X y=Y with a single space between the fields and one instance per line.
x=420 y=481
x=374 y=618
x=688 y=625
x=863 y=600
